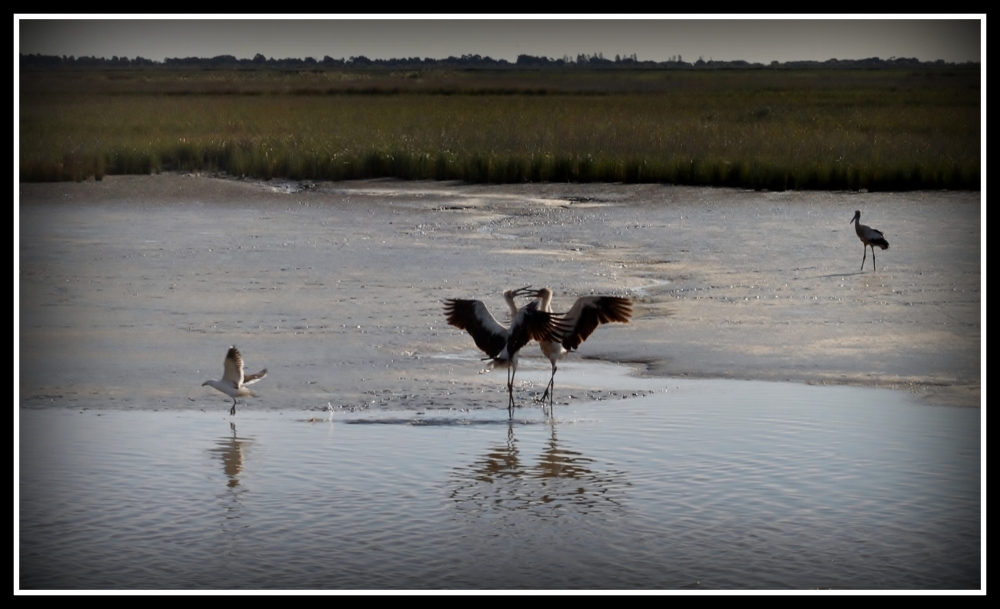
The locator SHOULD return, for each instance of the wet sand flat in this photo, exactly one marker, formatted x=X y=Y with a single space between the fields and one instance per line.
x=337 y=288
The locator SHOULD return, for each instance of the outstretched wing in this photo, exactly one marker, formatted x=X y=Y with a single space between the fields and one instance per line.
x=589 y=312
x=253 y=378
x=233 y=367
x=473 y=317
x=532 y=324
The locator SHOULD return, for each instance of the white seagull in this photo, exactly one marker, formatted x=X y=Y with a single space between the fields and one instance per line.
x=233 y=381
x=870 y=237
x=499 y=343
x=587 y=313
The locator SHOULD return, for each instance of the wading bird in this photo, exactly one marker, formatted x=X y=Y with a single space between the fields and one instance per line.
x=869 y=237
x=587 y=313
x=233 y=381
x=499 y=343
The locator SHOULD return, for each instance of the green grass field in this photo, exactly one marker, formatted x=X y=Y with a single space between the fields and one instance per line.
x=764 y=129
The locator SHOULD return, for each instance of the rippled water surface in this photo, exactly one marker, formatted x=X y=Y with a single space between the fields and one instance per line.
x=701 y=485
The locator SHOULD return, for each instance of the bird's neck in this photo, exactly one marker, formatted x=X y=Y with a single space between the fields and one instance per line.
x=545 y=302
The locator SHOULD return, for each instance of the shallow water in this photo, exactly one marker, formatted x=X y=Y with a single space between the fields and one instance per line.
x=700 y=485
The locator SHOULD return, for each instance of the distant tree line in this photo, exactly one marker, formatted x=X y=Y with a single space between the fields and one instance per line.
x=597 y=60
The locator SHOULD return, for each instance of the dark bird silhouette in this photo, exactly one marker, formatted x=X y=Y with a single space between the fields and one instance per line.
x=499 y=343
x=233 y=381
x=870 y=237
x=584 y=316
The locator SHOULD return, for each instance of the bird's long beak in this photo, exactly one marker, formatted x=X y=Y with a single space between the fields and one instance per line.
x=523 y=291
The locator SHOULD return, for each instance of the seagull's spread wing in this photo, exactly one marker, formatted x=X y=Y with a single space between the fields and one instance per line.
x=233 y=367
x=473 y=317
x=253 y=378
x=589 y=312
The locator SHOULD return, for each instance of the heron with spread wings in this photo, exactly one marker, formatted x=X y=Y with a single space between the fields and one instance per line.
x=577 y=325
x=499 y=343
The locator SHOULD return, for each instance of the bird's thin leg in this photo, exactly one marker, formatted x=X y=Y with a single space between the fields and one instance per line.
x=865 y=257
x=513 y=372
x=510 y=390
x=552 y=385
x=552 y=390
x=874 y=268
x=232 y=410
x=549 y=386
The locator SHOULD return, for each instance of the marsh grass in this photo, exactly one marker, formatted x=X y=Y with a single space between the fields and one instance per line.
x=833 y=130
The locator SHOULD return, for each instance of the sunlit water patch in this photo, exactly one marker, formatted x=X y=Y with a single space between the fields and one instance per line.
x=707 y=485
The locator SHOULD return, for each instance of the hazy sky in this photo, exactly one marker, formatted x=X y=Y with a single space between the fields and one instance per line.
x=653 y=37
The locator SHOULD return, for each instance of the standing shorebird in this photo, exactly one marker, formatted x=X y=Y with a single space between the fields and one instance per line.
x=498 y=343
x=233 y=381
x=587 y=313
x=870 y=237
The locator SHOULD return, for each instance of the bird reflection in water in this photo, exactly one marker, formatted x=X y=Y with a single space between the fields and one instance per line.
x=558 y=478
x=233 y=452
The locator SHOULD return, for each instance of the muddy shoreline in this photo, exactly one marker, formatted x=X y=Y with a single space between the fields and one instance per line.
x=338 y=285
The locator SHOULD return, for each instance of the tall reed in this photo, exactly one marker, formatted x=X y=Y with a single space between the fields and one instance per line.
x=720 y=130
